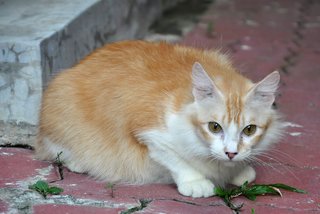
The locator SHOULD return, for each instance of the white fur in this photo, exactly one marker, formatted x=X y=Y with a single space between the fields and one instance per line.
x=247 y=174
x=65 y=157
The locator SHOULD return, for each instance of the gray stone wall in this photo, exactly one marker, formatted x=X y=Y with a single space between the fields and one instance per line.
x=39 y=38
x=20 y=82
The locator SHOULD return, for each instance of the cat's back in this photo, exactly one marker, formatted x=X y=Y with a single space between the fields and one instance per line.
x=134 y=67
x=131 y=84
x=133 y=61
x=132 y=75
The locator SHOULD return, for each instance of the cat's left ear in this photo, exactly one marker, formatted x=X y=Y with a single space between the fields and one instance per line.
x=263 y=92
x=203 y=86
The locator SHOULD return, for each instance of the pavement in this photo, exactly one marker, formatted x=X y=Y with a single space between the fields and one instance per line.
x=260 y=36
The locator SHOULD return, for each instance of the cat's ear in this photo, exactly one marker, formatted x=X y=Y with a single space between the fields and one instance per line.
x=203 y=86
x=263 y=93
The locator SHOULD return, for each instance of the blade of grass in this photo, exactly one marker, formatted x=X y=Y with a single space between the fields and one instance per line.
x=289 y=188
x=256 y=190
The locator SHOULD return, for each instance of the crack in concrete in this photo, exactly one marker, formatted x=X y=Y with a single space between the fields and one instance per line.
x=21 y=146
x=212 y=204
x=16 y=53
x=293 y=53
x=143 y=204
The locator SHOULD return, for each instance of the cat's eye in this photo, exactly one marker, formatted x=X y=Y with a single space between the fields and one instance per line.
x=214 y=127
x=250 y=130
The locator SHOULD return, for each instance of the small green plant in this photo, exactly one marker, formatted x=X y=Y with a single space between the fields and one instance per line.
x=251 y=192
x=44 y=189
x=59 y=163
x=111 y=186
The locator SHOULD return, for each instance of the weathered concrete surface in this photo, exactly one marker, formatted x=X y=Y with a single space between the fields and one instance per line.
x=17 y=134
x=39 y=38
x=261 y=36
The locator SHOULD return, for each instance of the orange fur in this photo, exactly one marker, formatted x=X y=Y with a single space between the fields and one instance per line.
x=96 y=108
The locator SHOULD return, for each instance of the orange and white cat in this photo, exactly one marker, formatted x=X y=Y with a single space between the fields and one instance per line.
x=140 y=112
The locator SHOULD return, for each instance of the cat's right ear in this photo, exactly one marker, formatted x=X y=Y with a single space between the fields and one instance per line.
x=263 y=92
x=203 y=86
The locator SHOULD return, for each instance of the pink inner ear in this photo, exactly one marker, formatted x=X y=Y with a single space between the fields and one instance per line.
x=203 y=86
x=263 y=93
x=270 y=83
x=200 y=78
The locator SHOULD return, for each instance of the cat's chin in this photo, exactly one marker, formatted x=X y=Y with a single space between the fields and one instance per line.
x=230 y=163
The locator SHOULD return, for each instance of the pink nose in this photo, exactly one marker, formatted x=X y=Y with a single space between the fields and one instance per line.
x=231 y=154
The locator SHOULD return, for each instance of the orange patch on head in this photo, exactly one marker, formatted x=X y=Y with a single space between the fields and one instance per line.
x=253 y=142
x=264 y=128
x=234 y=108
x=204 y=134
x=200 y=130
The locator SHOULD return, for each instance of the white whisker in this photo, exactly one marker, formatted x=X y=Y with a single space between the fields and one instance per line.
x=262 y=153
x=283 y=154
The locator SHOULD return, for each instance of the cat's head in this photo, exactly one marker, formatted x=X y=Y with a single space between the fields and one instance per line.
x=235 y=122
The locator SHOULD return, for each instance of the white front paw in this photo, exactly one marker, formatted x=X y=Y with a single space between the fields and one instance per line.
x=247 y=174
x=196 y=188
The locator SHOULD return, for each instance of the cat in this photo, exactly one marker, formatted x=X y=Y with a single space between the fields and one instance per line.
x=141 y=112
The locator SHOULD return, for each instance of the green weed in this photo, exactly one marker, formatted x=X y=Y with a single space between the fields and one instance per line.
x=44 y=189
x=251 y=192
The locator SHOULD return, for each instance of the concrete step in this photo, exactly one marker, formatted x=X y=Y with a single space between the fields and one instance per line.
x=39 y=38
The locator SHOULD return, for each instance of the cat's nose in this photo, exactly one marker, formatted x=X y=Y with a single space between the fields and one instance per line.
x=231 y=154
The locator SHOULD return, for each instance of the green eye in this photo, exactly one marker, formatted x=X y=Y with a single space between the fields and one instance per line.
x=214 y=127
x=250 y=130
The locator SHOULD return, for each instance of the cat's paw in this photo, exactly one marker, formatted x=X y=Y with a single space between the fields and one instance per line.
x=196 y=188
x=247 y=174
